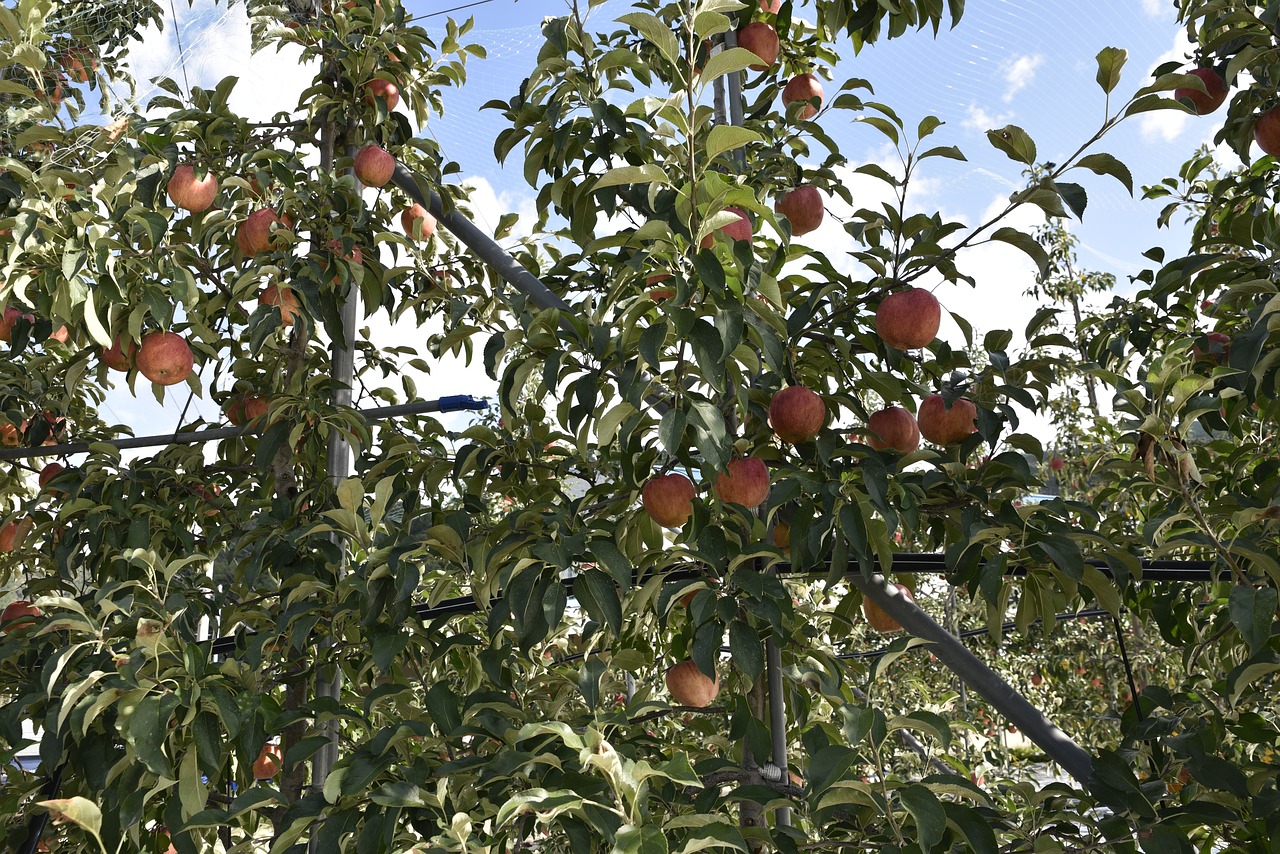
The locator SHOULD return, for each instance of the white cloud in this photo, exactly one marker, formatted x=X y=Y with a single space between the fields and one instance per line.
x=1019 y=73
x=1167 y=125
x=1157 y=8
x=979 y=119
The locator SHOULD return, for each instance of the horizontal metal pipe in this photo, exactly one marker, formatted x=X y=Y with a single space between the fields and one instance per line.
x=453 y=403
x=950 y=651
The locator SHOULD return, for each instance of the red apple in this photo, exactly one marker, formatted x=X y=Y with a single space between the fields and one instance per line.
x=893 y=428
x=119 y=356
x=10 y=319
x=49 y=472
x=190 y=193
x=19 y=610
x=1219 y=348
x=420 y=217
x=803 y=88
x=668 y=499
x=803 y=207
x=746 y=482
x=383 y=89
x=244 y=408
x=908 y=319
x=738 y=230
x=1056 y=463
x=165 y=358
x=782 y=535
x=689 y=686
x=79 y=63
x=1209 y=100
x=373 y=166
x=268 y=763
x=14 y=532
x=1267 y=132
x=796 y=414
x=770 y=6
x=944 y=426
x=254 y=234
x=876 y=616
x=1036 y=679
x=284 y=299
x=762 y=40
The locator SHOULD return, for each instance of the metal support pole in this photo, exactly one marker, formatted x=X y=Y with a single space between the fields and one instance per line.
x=777 y=719
x=452 y=403
x=1034 y=725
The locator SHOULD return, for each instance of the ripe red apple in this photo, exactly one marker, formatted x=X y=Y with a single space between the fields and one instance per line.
x=165 y=358
x=740 y=229
x=420 y=215
x=10 y=319
x=944 y=426
x=1219 y=348
x=14 y=533
x=119 y=356
x=803 y=88
x=803 y=207
x=689 y=686
x=1211 y=99
x=19 y=610
x=56 y=424
x=268 y=763
x=797 y=414
x=762 y=40
x=876 y=616
x=746 y=482
x=284 y=299
x=893 y=428
x=49 y=472
x=243 y=408
x=383 y=89
x=908 y=319
x=254 y=234
x=9 y=435
x=78 y=63
x=1037 y=679
x=668 y=499
x=1267 y=132
x=190 y=193
x=1056 y=463
x=373 y=166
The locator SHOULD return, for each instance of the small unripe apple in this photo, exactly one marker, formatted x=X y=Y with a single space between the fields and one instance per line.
x=1267 y=132
x=893 y=428
x=878 y=618
x=802 y=88
x=762 y=40
x=803 y=207
x=422 y=218
x=908 y=319
x=796 y=414
x=373 y=166
x=689 y=686
x=190 y=193
x=1212 y=98
x=165 y=358
x=745 y=482
x=944 y=426
x=668 y=499
x=383 y=89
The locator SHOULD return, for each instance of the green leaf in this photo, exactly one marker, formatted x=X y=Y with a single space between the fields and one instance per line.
x=1075 y=197
x=648 y=173
x=724 y=138
x=1110 y=61
x=1014 y=142
x=1102 y=163
x=655 y=32
x=82 y=811
x=640 y=839
x=729 y=61
x=1026 y=243
x=146 y=728
x=1252 y=611
x=948 y=151
x=931 y=819
x=671 y=430
x=746 y=649
x=598 y=595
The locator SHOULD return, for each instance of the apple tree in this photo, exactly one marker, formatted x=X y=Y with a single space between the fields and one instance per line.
x=487 y=639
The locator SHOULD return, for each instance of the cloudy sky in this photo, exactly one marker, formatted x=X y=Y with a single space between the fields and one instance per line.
x=1030 y=63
